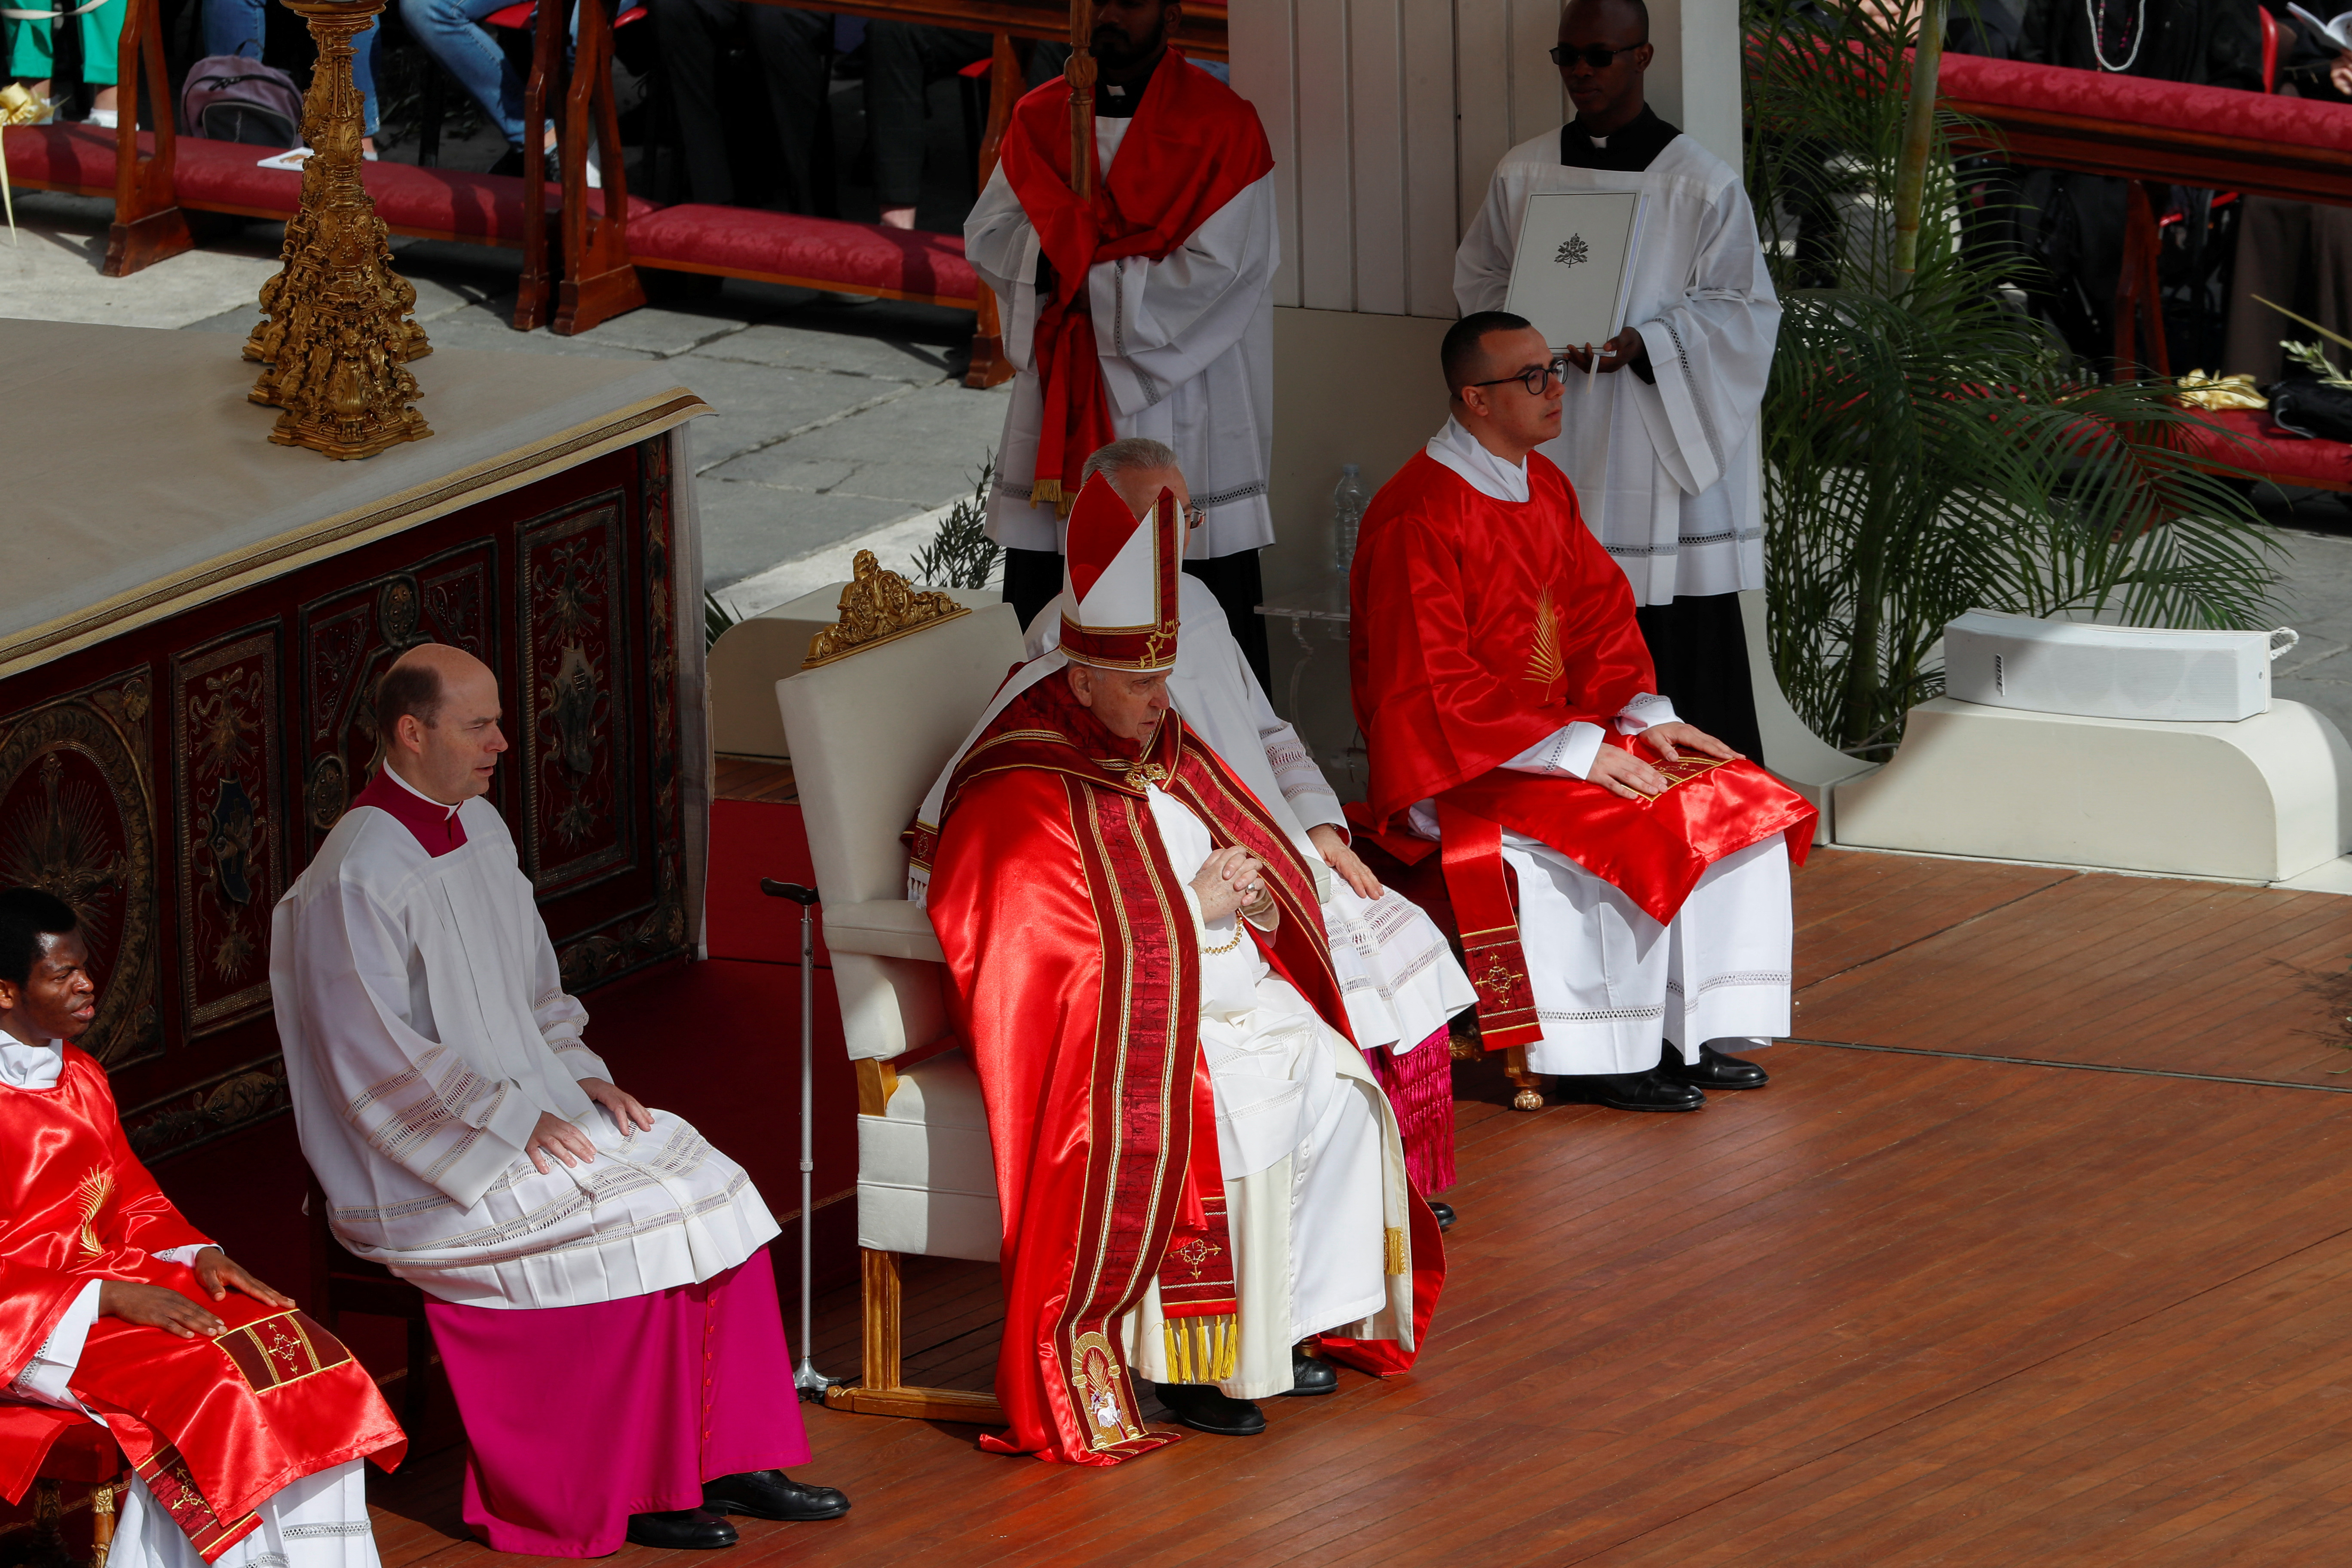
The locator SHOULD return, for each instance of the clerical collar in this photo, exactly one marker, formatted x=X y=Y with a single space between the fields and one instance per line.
x=1118 y=102
x=30 y=1066
x=435 y=825
x=1487 y=474
x=1628 y=149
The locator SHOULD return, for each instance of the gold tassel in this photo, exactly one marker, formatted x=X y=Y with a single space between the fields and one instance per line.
x=1202 y=1350
x=1396 y=1260
x=1048 y=492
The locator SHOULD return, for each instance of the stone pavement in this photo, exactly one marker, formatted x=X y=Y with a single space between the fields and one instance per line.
x=838 y=427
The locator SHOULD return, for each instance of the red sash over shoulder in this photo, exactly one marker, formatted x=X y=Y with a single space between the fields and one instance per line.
x=1194 y=145
x=213 y=1426
x=1076 y=981
x=1479 y=627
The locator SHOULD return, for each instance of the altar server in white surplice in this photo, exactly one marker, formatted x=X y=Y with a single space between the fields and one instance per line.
x=1400 y=981
x=1145 y=309
x=592 y=1266
x=1665 y=459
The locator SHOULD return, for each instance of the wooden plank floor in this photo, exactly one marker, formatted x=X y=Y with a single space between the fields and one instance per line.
x=1895 y=1309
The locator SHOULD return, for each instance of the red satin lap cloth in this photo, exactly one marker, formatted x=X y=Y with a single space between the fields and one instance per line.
x=214 y=1427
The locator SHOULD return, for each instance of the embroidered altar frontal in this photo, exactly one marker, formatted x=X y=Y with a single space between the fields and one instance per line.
x=191 y=627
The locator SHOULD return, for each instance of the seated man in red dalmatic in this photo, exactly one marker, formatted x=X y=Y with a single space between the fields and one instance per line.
x=1197 y=1172
x=1512 y=713
x=244 y=1421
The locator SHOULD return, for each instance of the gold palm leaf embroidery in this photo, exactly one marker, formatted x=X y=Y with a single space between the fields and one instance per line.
x=95 y=1189
x=1544 y=663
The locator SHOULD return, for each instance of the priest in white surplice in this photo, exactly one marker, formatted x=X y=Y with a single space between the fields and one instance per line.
x=1665 y=458
x=1400 y=981
x=1145 y=310
x=593 y=1267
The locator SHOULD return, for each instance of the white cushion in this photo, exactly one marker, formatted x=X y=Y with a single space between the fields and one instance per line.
x=886 y=928
x=925 y=1181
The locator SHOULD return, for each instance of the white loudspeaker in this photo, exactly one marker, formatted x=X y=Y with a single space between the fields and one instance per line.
x=2109 y=672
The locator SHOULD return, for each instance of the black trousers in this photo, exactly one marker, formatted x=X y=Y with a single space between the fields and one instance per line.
x=1031 y=578
x=1700 y=646
x=902 y=60
x=795 y=52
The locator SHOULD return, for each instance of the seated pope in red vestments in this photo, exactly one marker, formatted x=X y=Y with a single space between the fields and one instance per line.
x=1620 y=879
x=1196 y=1170
x=243 y=1420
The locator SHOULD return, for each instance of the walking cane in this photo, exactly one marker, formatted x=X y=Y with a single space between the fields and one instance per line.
x=811 y=1382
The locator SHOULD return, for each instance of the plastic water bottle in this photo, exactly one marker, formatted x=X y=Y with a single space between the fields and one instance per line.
x=1347 y=504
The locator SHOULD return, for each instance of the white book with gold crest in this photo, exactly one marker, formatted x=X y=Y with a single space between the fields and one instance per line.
x=1573 y=272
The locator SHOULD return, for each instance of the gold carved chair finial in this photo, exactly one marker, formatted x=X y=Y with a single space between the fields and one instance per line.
x=877 y=606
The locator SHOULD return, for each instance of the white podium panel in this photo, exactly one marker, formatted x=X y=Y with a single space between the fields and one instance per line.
x=2260 y=800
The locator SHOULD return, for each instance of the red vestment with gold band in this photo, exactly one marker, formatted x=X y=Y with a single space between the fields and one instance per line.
x=213 y=1426
x=1076 y=965
x=1479 y=627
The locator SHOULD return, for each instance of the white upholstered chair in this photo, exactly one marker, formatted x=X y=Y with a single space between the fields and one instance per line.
x=869 y=730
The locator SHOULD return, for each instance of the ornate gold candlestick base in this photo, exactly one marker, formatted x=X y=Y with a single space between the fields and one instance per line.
x=334 y=335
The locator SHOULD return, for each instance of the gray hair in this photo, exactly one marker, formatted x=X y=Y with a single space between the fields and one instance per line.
x=1127 y=456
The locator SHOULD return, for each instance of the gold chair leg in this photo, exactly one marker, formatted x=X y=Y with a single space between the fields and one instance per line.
x=101 y=1523
x=1515 y=1067
x=879 y=1392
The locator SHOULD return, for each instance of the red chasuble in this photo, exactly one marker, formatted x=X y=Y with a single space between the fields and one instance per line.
x=1076 y=978
x=1193 y=145
x=213 y=1426
x=1481 y=626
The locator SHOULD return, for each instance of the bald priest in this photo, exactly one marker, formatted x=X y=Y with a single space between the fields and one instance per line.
x=1198 y=1174
x=1642 y=937
x=596 y=1274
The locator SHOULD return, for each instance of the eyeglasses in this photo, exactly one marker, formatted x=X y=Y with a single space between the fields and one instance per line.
x=1533 y=378
x=1193 y=518
x=1599 y=57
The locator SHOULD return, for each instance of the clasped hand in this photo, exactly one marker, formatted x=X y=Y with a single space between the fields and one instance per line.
x=160 y=1307
x=561 y=1139
x=1229 y=880
x=1625 y=772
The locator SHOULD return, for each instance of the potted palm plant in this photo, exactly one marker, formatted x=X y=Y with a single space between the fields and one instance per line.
x=1927 y=445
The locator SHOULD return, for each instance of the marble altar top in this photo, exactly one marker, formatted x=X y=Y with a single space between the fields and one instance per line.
x=136 y=481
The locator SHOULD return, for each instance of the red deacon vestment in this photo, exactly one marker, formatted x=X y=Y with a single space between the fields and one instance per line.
x=1480 y=627
x=1076 y=979
x=214 y=1427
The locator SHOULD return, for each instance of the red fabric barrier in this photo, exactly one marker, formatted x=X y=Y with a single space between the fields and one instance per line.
x=808 y=252
x=2174 y=106
x=2254 y=442
x=2219 y=138
x=226 y=176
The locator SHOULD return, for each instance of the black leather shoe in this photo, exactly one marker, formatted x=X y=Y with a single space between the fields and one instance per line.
x=1712 y=1070
x=1443 y=1212
x=1200 y=1406
x=1641 y=1091
x=771 y=1494
x=1309 y=1377
x=687 y=1530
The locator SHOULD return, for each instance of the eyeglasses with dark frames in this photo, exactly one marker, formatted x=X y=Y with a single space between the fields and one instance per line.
x=1598 y=56
x=1534 y=377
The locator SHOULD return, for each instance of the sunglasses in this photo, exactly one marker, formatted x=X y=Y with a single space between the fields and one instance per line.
x=1599 y=57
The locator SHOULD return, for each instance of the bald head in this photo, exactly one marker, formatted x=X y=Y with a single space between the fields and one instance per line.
x=436 y=715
